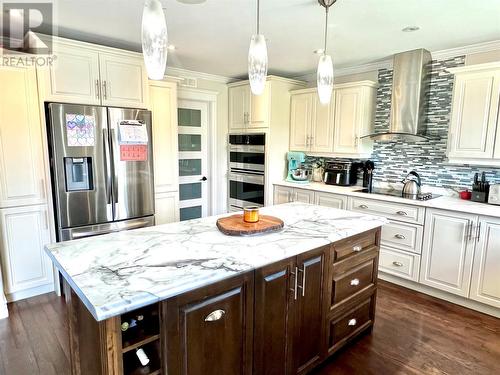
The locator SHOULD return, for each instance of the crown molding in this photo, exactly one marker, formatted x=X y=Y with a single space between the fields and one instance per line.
x=172 y=71
x=387 y=63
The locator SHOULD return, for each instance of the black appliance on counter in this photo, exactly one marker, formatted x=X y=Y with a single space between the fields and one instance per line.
x=341 y=173
x=368 y=168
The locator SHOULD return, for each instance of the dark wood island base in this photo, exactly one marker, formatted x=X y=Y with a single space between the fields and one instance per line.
x=284 y=318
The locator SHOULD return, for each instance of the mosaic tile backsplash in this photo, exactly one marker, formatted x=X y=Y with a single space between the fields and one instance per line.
x=393 y=160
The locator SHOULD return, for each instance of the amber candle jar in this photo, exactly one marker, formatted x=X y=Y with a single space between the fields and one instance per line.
x=251 y=214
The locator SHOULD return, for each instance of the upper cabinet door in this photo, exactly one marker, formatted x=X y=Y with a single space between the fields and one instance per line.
x=259 y=109
x=321 y=137
x=74 y=78
x=485 y=285
x=474 y=115
x=348 y=113
x=448 y=251
x=300 y=121
x=123 y=80
x=239 y=100
x=21 y=156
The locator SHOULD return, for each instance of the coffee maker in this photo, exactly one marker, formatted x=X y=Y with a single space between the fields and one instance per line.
x=296 y=173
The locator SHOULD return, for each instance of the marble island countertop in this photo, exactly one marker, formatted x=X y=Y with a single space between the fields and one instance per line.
x=122 y=271
x=448 y=201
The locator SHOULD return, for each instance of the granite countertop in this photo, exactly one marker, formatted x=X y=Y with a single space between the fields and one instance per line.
x=122 y=271
x=445 y=202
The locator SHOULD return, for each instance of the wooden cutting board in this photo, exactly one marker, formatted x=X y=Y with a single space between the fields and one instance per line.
x=235 y=226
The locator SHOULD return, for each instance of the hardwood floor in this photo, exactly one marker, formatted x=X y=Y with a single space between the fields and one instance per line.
x=413 y=334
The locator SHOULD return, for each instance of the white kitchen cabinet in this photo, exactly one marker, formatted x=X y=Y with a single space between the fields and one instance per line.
x=4 y=312
x=485 y=286
x=399 y=263
x=322 y=127
x=84 y=73
x=303 y=196
x=163 y=105
x=123 y=80
x=27 y=269
x=301 y=115
x=448 y=250
x=74 y=77
x=283 y=194
x=474 y=115
x=166 y=207
x=248 y=111
x=22 y=173
x=330 y=200
x=354 y=112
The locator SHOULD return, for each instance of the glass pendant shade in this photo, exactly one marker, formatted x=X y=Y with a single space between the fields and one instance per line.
x=325 y=79
x=257 y=64
x=154 y=39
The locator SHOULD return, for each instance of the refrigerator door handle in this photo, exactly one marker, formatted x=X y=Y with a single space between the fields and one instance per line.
x=107 y=166
x=115 y=174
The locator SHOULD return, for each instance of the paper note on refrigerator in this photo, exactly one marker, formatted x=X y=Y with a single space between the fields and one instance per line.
x=80 y=130
x=132 y=132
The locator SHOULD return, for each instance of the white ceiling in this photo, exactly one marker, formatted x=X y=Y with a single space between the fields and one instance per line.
x=213 y=37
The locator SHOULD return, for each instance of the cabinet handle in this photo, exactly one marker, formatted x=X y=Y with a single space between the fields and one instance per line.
x=355 y=282
x=46 y=219
x=104 y=90
x=400 y=236
x=215 y=315
x=352 y=322
x=478 y=232
x=363 y=206
x=311 y=140
x=294 y=289
x=356 y=141
x=468 y=233
x=303 y=286
x=402 y=213
x=356 y=248
x=397 y=264
x=97 y=88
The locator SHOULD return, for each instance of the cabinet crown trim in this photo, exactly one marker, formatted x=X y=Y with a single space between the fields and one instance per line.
x=366 y=83
x=475 y=68
x=270 y=78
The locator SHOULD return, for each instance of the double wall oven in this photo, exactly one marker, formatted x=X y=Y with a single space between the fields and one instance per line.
x=247 y=160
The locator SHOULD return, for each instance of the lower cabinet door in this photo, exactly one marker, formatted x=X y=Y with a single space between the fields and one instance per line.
x=166 y=207
x=485 y=285
x=210 y=330
x=274 y=305
x=303 y=196
x=282 y=194
x=330 y=200
x=309 y=311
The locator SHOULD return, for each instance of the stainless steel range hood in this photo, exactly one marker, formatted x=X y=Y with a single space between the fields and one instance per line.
x=408 y=102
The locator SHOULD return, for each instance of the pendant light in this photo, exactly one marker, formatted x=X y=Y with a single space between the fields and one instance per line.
x=257 y=59
x=325 y=64
x=154 y=39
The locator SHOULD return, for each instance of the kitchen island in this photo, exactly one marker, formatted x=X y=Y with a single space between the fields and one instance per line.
x=187 y=299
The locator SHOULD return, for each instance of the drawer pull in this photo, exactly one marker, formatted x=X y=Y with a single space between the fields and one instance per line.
x=357 y=248
x=363 y=206
x=355 y=282
x=352 y=322
x=398 y=264
x=215 y=315
x=400 y=237
x=402 y=213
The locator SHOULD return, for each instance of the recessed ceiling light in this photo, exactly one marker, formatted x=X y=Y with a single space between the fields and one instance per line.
x=409 y=29
x=319 y=51
x=171 y=47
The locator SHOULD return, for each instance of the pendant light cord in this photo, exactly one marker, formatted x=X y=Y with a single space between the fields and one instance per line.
x=326 y=30
x=258 y=17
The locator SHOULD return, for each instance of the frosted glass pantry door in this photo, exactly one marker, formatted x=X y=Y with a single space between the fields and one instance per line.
x=193 y=159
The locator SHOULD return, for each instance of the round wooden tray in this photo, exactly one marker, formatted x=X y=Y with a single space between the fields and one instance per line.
x=235 y=226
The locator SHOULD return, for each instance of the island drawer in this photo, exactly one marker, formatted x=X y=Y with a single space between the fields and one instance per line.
x=353 y=245
x=403 y=236
x=342 y=328
x=399 y=263
x=391 y=210
x=348 y=285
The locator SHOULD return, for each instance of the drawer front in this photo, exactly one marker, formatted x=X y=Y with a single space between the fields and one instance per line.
x=351 y=283
x=351 y=323
x=396 y=211
x=399 y=263
x=402 y=236
x=354 y=245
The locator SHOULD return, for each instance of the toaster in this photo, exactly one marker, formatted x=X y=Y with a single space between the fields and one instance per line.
x=494 y=196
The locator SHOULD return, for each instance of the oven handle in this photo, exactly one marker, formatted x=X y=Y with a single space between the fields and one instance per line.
x=252 y=179
x=246 y=148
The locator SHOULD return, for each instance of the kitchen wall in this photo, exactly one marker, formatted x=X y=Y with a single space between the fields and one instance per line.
x=393 y=160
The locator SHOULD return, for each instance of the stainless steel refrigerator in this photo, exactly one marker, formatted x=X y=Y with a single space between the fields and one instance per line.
x=102 y=169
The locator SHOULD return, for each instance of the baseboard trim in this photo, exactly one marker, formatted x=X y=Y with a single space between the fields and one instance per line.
x=473 y=305
x=28 y=293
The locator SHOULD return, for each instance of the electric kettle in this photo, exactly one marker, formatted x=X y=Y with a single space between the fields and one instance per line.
x=412 y=187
